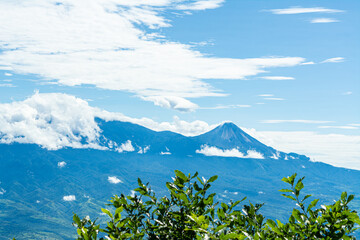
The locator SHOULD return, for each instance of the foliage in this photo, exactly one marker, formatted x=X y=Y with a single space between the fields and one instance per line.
x=190 y=212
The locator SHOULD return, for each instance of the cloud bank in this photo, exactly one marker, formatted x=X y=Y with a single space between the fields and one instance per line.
x=214 y=151
x=55 y=121
x=116 y=44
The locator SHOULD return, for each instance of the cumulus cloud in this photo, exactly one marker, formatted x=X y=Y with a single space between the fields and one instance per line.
x=114 y=180
x=277 y=78
x=172 y=102
x=333 y=60
x=295 y=121
x=214 y=151
x=61 y=164
x=300 y=10
x=50 y=120
x=69 y=198
x=125 y=147
x=323 y=20
x=115 y=44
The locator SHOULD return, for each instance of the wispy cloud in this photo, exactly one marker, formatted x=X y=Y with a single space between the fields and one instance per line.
x=201 y=5
x=336 y=149
x=300 y=10
x=227 y=106
x=347 y=93
x=340 y=127
x=296 y=121
x=116 y=45
x=323 y=20
x=334 y=60
x=277 y=78
x=7 y=85
x=266 y=95
x=274 y=99
x=308 y=63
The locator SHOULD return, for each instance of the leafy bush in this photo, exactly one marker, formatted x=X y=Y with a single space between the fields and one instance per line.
x=190 y=212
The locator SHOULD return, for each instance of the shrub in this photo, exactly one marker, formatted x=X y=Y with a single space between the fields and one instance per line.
x=190 y=212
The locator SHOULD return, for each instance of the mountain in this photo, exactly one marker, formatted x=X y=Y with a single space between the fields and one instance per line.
x=40 y=189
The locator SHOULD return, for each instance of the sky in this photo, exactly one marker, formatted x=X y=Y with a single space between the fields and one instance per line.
x=287 y=72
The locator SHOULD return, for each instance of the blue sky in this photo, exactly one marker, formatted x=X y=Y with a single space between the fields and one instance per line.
x=289 y=67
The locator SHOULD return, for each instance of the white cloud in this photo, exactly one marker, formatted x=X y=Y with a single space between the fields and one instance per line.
x=172 y=102
x=336 y=149
x=323 y=20
x=355 y=124
x=340 y=127
x=201 y=5
x=55 y=120
x=295 y=121
x=165 y=153
x=69 y=198
x=143 y=150
x=277 y=78
x=7 y=85
x=347 y=93
x=125 y=147
x=214 y=151
x=50 y=120
x=114 y=180
x=61 y=164
x=101 y=43
x=299 y=10
x=275 y=99
x=266 y=95
x=307 y=63
x=8 y=74
x=2 y=191
x=227 y=106
x=334 y=60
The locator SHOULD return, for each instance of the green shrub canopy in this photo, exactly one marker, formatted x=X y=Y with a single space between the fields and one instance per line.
x=190 y=212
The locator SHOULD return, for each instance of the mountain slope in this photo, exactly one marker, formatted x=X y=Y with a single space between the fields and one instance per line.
x=33 y=183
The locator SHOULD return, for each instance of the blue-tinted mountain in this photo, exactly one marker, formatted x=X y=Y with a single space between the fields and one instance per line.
x=32 y=185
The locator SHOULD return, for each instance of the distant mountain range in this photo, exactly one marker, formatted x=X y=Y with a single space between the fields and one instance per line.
x=40 y=189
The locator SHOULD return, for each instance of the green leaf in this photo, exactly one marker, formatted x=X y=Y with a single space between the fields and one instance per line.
x=212 y=179
x=288 y=196
x=181 y=175
x=107 y=212
x=285 y=190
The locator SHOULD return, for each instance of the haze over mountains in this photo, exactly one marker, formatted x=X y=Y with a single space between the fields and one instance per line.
x=41 y=188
